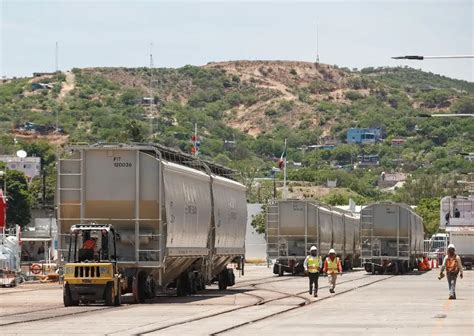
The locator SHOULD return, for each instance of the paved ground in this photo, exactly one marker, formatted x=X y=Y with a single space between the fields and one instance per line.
x=260 y=303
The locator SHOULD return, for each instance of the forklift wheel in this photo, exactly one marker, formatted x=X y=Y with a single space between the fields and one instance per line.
x=68 y=301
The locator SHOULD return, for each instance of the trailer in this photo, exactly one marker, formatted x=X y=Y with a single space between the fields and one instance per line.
x=179 y=221
x=457 y=218
x=391 y=237
x=293 y=226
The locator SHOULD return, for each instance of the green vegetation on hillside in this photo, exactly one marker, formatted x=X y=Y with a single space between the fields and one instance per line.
x=255 y=110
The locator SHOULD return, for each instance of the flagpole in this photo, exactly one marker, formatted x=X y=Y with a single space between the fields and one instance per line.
x=284 y=173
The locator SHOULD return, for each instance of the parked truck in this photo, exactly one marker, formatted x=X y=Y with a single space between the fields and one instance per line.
x=178 y=221
x=457 y=218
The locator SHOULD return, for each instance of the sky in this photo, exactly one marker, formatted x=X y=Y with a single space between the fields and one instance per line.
x=354 y=34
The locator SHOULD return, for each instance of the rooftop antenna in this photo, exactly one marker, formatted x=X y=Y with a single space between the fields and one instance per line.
x=317 y=44
x=56 y=61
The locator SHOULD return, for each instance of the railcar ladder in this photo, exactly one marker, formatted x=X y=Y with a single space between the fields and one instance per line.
x=70 y=193
x=273 y=231
x=367 y=233
x=71 y=180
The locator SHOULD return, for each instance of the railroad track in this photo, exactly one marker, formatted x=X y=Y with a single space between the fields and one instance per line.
x=262 y=301
x=18 y=291
x=299 y=306
x=60 y=311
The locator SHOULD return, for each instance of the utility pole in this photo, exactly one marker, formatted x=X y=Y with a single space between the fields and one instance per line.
x=151 y=56
x=56 y=62
x=151 y=98
x=317 y=44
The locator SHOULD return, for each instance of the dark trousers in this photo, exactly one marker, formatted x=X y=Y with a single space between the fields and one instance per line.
x=313 y=279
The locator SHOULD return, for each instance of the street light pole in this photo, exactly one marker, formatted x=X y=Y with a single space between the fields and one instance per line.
x=4 y=174
x=421 y=58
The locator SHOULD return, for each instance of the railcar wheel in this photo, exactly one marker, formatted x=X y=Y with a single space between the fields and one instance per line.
x=280 y=270
x=222 y=279
x=192 y=281
x=109 y=294
x=118 y=297
x=139 y=287
x=181 y=285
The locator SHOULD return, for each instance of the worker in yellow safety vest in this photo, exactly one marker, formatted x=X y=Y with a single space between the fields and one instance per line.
x=312 y=266
x=333 y=267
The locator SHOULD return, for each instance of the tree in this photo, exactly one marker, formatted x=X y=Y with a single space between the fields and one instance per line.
x=131 y=96
x=259 y=221
x=18 y=199
x=428 y=208
x=464 y=105
x=337 y=199
x=135 y=131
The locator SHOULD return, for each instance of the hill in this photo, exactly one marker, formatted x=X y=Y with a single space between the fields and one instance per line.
x=245 y=109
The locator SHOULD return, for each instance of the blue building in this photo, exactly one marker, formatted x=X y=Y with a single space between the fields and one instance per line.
x=363 y=135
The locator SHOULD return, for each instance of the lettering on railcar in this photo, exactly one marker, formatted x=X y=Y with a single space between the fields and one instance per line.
x=190 y=209
x=118 y=163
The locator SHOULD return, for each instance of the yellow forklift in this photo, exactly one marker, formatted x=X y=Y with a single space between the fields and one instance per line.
x=91 y=274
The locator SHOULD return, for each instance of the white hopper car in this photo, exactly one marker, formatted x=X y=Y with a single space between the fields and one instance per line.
x=180 y=221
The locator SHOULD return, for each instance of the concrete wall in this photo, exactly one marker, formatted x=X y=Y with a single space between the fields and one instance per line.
x=255 y=244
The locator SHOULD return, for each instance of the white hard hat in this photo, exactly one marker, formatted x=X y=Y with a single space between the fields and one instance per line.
x=313 y=248
x=451 y=246
x=332 y=251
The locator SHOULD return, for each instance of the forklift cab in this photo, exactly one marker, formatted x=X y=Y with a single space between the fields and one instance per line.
x=92 y=243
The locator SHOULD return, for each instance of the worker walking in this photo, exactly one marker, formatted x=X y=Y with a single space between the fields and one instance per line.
x=312 y=266
x=332 y=267
x=453 y=265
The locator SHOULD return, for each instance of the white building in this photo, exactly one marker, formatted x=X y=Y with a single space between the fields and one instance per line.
x=30 y=166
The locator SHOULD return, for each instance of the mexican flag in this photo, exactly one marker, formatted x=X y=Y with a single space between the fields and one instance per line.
x=282 y=160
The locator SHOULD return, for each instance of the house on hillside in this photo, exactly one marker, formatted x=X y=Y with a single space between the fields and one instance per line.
x=329 y=140
x=469 y=157
x=314 y=147
x=148 y=101
x=40 y=86
x=30 y=166
x=364 y=135
x=229 y=144
x=368 y=160
x=387 y=180
x=41 y=74
x=398 y=142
